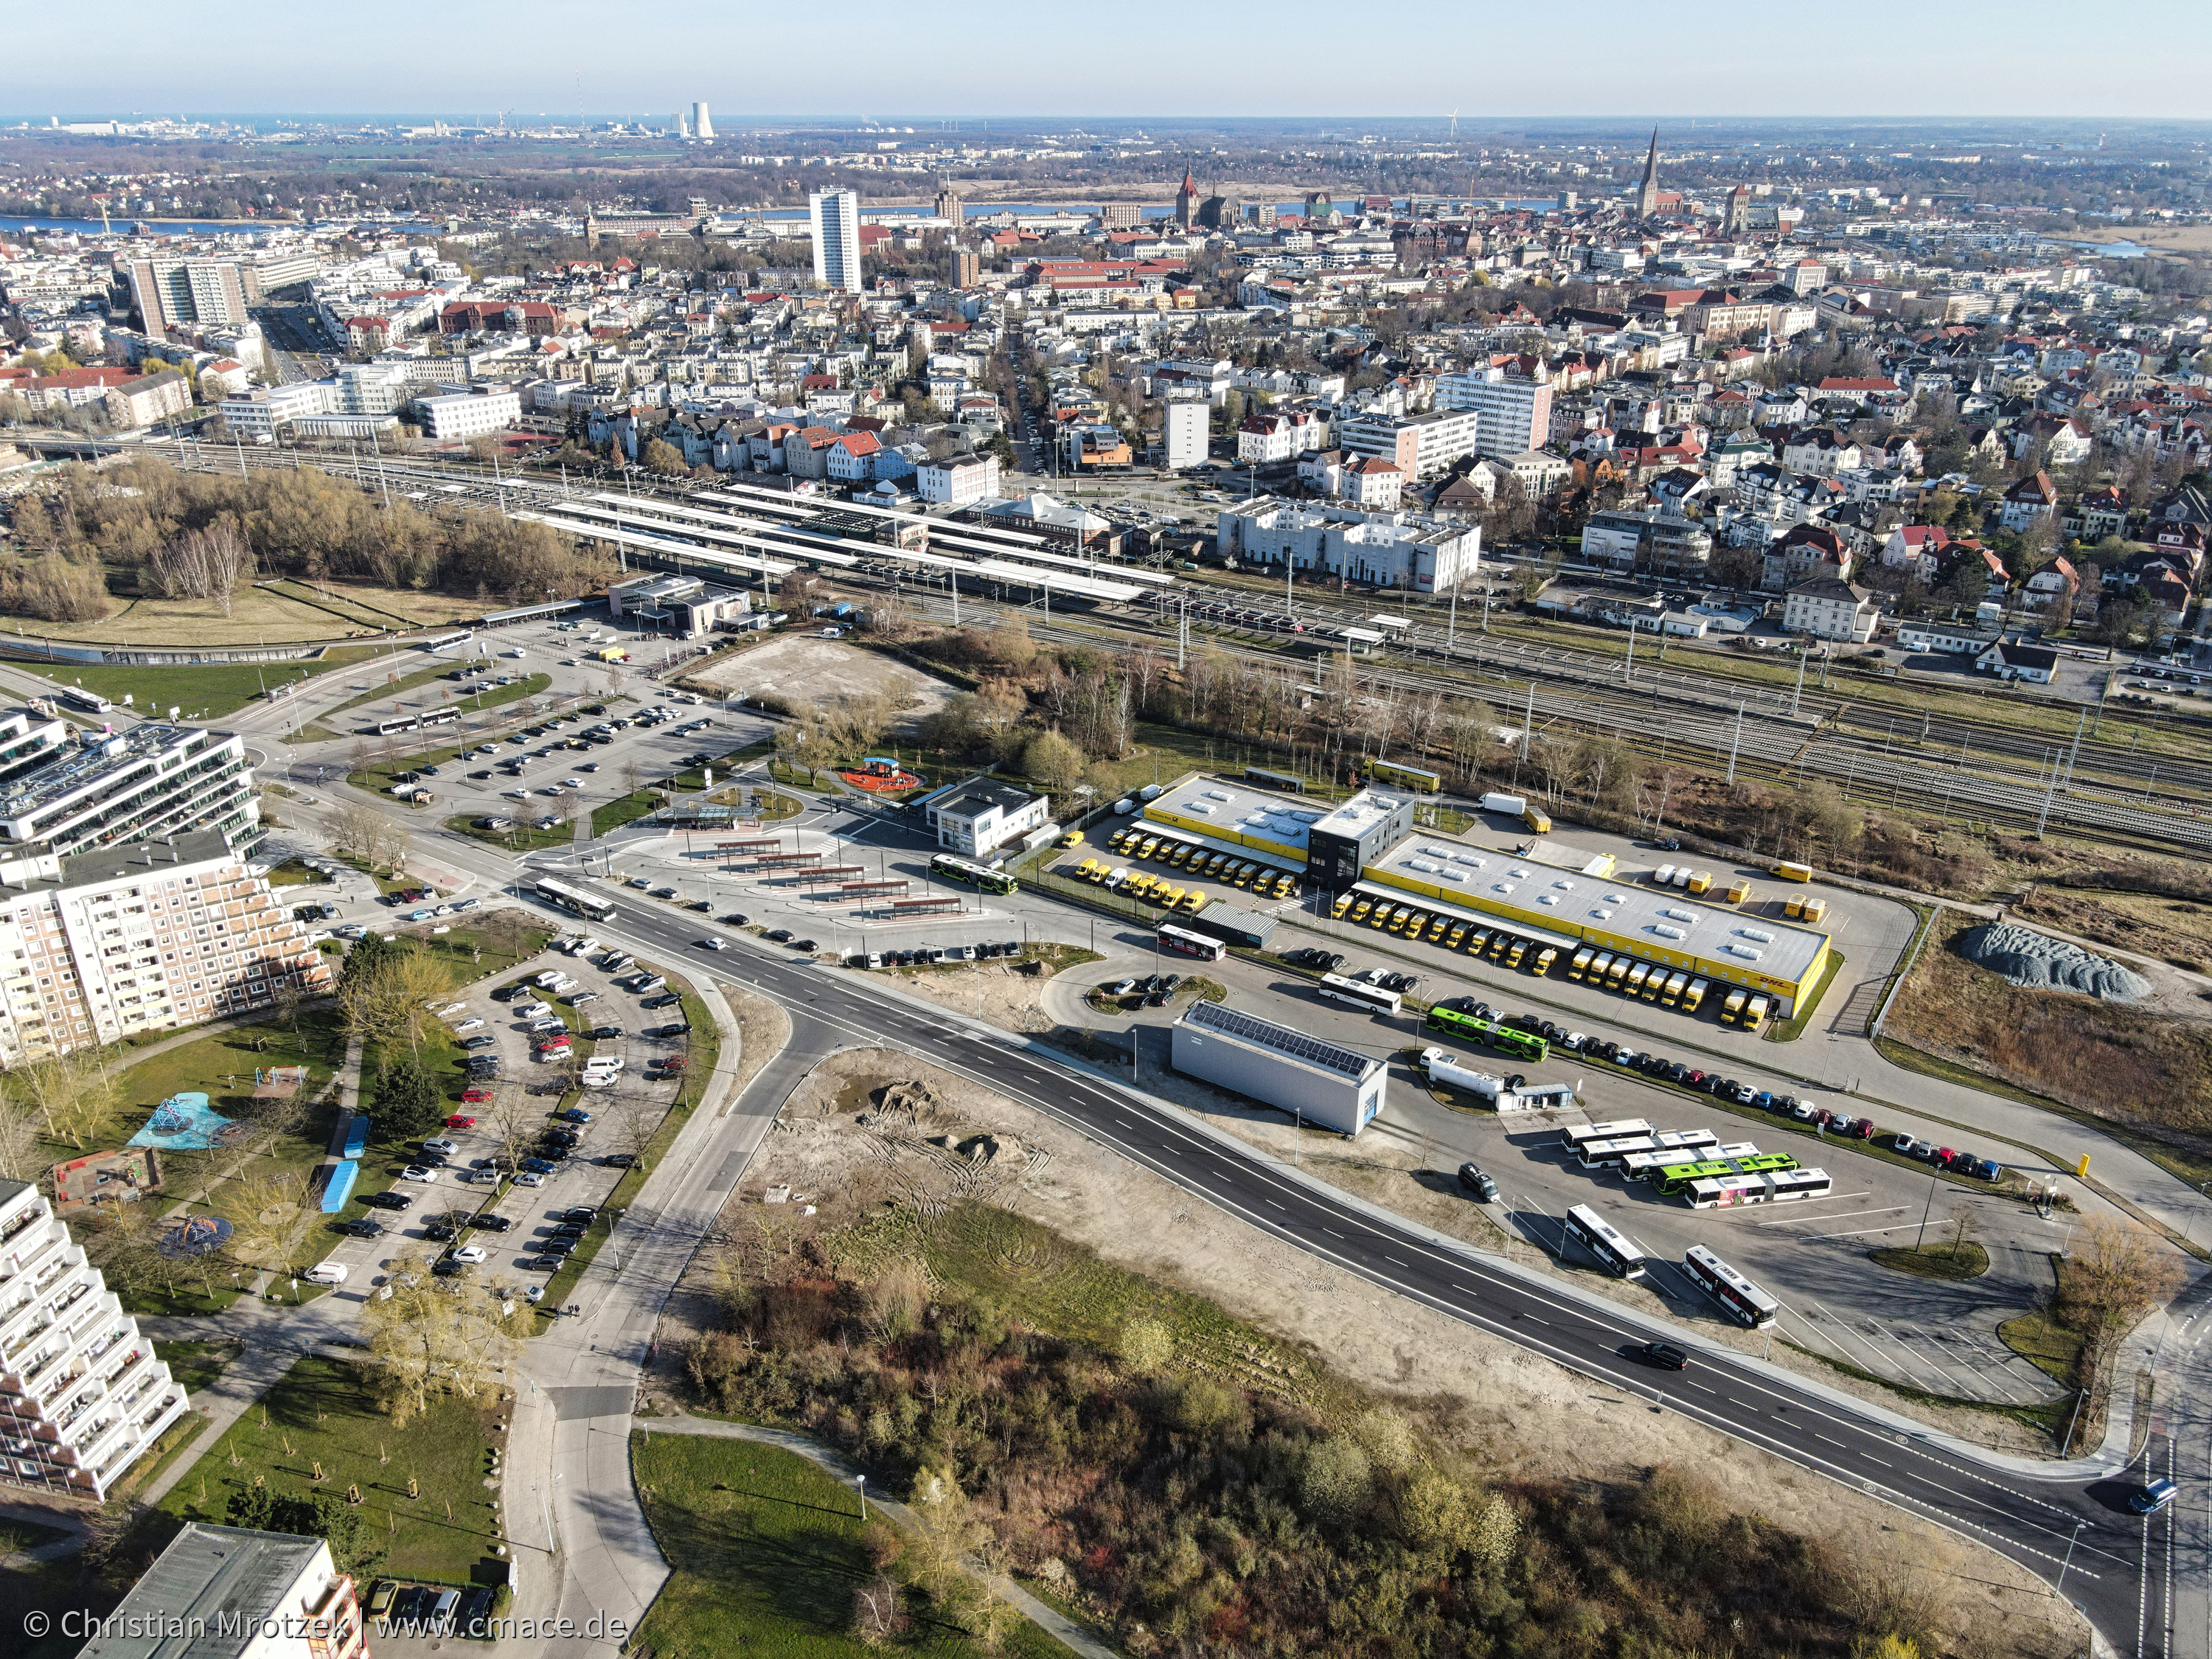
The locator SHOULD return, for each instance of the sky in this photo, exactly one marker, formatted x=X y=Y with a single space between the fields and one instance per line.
x=1137 y=59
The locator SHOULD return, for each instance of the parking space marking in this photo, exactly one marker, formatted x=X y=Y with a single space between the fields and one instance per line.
x=1847 y=1215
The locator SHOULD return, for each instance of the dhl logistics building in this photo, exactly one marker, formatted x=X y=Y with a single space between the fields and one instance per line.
x=1542 y=891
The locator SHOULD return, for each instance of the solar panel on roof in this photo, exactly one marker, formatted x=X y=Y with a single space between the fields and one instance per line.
x=1280 y=1038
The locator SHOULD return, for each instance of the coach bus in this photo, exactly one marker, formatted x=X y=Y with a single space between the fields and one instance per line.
x=1182 y=939
x=1359 y=995
x=1506 y=1039
x=945 y=867
x=573 y=900
x=1747 y=1305
x=1615 y=1251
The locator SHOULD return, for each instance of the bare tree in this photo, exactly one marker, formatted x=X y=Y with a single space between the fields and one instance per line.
x=204 y=564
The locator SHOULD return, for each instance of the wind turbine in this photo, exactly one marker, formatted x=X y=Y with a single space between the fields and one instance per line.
x=1454 y=121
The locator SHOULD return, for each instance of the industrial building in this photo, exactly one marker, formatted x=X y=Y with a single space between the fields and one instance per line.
x=82 y=1394
x=1323 y=1083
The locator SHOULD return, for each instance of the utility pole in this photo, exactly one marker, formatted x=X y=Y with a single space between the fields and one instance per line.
x=2076 y=749
x=1451 y=628
x=1800 y=691
x=1529 y=721
x=1735 y=742
x=954 y=576
x=2044 y=816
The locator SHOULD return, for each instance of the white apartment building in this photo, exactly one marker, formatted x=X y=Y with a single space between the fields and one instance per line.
x=82 y=1393
x=1186 y=432
x=161 y=934
x=834 y=216
x=110 y=787
x=272 y=409
x=233 y=1593
x=957 y=480
x=1516 y=413
x=1830 y=610
x=1388 y=550
x=1420 y=446
x=471 y=414
x=974 y=817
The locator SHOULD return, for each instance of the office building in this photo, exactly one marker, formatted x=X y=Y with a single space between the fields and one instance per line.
x=703 y=125
x=82 y=1394
x=964 y=267
x=1389 y=549
x=267 y=410
x=471 y=414
x=976 y=817
x=683 y=605
x=171 y=294
x=957 y=480
x=1185 y=435
x=834 y=217
x=1516 y=412
x=114 y=944
x=1318 y=1081
x=1420 y=446
x=233 y=1593
x=106 y=788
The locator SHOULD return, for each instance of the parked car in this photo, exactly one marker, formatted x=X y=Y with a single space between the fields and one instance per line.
x=1484 y=1188
x=419 y=1172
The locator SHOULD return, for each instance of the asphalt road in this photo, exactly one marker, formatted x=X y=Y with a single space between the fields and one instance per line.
x=2114 y=1566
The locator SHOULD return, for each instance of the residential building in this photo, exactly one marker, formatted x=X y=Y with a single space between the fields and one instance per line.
x=232 y=1593
x=107 y=788
x=471 y=414
x=1386 y=549
x=1268 y=439
x=2015 y=660
x=82 y=1394
x=1373 y=484
x=173 y=293
x=1421 y=446
x=957 y=481
x=834 y=216
x=964 y=267
x=145 y=398
x=2031 y=501
x=1659 y=544
x=1808 y=553
x=1830 y=610
x=103 y=946
x=2056 y=583
x=1515 y=411
x=1186 y=432
x=974 y=817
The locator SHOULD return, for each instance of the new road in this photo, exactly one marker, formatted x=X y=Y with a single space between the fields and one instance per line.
x=2116 y=1567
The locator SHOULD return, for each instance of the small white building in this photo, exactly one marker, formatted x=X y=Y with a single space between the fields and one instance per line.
x=976 y=817
x=1830 y=610
x=2011 y=661
x=471 y=413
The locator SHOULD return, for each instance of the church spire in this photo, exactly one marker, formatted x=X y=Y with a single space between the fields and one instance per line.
x=1647 y=192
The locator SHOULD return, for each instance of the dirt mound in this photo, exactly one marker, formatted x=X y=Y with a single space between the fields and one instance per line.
x=2036 y=962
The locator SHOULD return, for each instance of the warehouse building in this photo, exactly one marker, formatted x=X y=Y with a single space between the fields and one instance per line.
x=1267 y=828
x=1553 y=894
x=1320 y=1082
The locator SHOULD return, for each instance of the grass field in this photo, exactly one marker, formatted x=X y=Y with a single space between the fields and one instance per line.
x=322 y=1411
x=1936 y=1258
x=196 y=1364
x=200 y=690
x=627 y=809
x=521 y=839
x=767 y=1551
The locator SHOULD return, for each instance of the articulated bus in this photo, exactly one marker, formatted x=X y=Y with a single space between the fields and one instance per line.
x=1372 y=998
x=1675 y=1183
x=1603 y=1154
x=1747 y=1305
x=417 y=722
x=1522 y=1045
x=573 y=900
x=1616 y=1252
x=1419 y=779
x=1652 y=1166
x=1191 y=945
x=1724 y=1192
x=981 y=877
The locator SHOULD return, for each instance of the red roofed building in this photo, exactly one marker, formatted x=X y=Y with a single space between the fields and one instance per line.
x=852 y=459
x=530 y=317
x=369 y=334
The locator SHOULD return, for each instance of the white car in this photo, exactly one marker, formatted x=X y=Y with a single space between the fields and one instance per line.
x=516 y=794
x=472 y=1253
x=529 y=1178
x=572 y=783
x=535 y=1293
x=441 y=1144
x=551 y=977
x=471 y=1025
x=534 y=1011
x=420 y=1172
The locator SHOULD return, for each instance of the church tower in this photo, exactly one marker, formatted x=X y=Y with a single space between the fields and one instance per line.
x=1647 y=194
x=1186 y=202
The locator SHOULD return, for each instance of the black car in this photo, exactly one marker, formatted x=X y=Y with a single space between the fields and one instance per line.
x=1158 y=999
x=478 y=1041
x=1656 y=1065
x=780 y=936
x=1484 y=1188
x=441 y=1230
x=668 y=1030
x=364 y=1228
x=618 y=1161
x=601 y=1033
x=735 y=919
x=805 y=945
x=570 y=1229
x=446 y=1267
x=1335 y=963
x=546 y=1263
x=555 y=1246
x=390 y=1201
x=491 y=1223
x=1678 y=1072
x=670 y=1001
x=1664 y=1355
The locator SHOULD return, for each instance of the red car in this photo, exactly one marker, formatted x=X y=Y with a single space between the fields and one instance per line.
x=474 y=1096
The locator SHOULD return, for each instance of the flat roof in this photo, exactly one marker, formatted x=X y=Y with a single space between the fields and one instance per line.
x=68 y=772
x=1168 y=832
x=1225 y=809
x=1282 y=1041
x=1618 y=905
x=1361 y=813
x=1457 y=913
x=205 y=1596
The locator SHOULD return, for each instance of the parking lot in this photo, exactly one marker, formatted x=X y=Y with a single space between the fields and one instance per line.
x=541 y=1127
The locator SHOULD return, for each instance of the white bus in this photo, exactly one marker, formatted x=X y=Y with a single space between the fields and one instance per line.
x=84 y=702
x=1191 y=945
x=1616 y=1252
x=1373 y=998
x=1747 y=1305
x=1571 y=1139
x=574 y=902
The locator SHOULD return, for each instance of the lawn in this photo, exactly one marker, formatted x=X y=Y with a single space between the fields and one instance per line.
x=767 y=1550
x=1935 y=1259
x=198 y=690
x=626 y=809
x=196 y=1364
x=521 y=839
x=323 y=1410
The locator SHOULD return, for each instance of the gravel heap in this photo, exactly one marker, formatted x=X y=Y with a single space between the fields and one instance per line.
x=2037 y=962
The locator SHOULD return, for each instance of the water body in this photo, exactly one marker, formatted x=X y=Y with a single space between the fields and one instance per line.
x=985 y=209
x=122 y=222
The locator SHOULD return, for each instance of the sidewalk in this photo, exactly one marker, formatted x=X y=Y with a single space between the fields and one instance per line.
x=1051 y=1620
